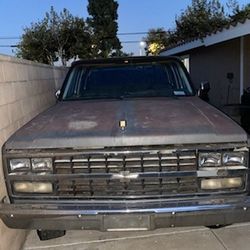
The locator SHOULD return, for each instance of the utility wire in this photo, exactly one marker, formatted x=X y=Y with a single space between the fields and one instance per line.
x=8 y=46
x=130 y=41
x=15 y=45
x=138 y=33
x=119 y=34
x=9 y=38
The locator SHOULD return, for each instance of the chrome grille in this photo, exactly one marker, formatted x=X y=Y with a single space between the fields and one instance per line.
x=126 y=174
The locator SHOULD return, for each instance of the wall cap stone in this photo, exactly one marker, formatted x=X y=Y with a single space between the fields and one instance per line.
x=12 y=59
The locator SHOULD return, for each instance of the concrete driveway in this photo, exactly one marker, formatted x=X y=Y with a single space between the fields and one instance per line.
x=235 y=237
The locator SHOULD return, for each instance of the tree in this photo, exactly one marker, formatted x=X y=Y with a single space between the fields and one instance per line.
x=199 y=19
x=239 y=13
x=156 y=40
x=57 y=37
x=104 y=27
x=36 y=44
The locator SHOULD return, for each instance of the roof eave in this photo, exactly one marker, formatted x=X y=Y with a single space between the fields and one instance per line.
x=232 y=32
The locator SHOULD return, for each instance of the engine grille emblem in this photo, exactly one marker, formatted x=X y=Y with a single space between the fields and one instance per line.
x=125 y=176
x=123 y=124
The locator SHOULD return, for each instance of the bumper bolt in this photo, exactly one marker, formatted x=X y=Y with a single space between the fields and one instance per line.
x=79 y=216
x=173 y=213
x=12 y=215
x=245 y=208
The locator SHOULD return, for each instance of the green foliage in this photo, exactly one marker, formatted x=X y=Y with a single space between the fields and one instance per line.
x=57 y=37
x=104 y=27
x=37 y=44
x=199 y=19
x=63 y=36
x=239 y=13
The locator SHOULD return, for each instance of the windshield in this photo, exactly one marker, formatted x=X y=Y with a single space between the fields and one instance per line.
x=127 y=81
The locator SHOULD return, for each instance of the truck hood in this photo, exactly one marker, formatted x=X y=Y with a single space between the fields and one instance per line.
x=150 y=121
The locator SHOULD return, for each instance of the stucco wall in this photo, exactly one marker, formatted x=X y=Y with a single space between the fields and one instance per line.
x=212 y=64
x=26 y=89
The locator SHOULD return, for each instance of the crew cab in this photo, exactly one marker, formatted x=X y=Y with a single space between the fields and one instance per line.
x=128 y=146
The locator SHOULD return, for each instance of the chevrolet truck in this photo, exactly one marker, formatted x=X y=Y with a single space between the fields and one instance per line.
x=129 y=145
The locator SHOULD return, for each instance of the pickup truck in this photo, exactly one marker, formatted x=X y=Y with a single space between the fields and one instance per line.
x=128 y=146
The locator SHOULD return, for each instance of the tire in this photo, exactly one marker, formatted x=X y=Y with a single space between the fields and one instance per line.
x=217 y=226
x=50 y=234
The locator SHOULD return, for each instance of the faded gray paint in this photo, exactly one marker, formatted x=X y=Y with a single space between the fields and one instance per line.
x=150 y=121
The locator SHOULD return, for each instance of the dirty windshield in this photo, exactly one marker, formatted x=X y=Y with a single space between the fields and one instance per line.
x=127 y=81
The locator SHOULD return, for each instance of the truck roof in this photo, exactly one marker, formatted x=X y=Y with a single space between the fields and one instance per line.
x=124 y=60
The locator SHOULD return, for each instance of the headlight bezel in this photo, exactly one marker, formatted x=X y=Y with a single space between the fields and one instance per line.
x=47 y=169
x=230 y=168
x=223 y=161
x=32 y=161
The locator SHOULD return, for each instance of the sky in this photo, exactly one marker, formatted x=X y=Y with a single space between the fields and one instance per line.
x=134 y=16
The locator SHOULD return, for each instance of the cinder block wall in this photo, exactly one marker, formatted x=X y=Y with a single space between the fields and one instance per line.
x=26 y=89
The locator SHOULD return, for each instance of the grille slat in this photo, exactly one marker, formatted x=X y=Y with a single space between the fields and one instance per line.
x=126 y=166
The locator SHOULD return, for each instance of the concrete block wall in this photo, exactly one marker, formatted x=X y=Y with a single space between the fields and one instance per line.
x=26 y=89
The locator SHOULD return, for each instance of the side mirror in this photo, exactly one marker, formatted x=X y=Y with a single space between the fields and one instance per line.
x=57 y=94
x=204 y=90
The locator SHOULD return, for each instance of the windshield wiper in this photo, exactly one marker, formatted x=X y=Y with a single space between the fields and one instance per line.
x=93 y=97
x=137 y=94
x=149 y=93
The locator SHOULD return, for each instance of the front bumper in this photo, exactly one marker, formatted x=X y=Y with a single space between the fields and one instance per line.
x=117 y=216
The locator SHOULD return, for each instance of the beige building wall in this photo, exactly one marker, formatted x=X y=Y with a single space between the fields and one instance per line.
x=26 y=89
x=212 y=64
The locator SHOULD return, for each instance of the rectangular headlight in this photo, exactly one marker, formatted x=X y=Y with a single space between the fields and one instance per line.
x=225 y=183
x=20 y=164
x=41 y=164
x=234 y=158
x=209 y=159
x=33 y=187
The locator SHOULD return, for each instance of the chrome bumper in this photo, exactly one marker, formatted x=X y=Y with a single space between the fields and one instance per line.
x=123 y=216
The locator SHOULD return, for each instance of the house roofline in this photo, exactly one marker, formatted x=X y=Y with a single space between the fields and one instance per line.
x=228 y=33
